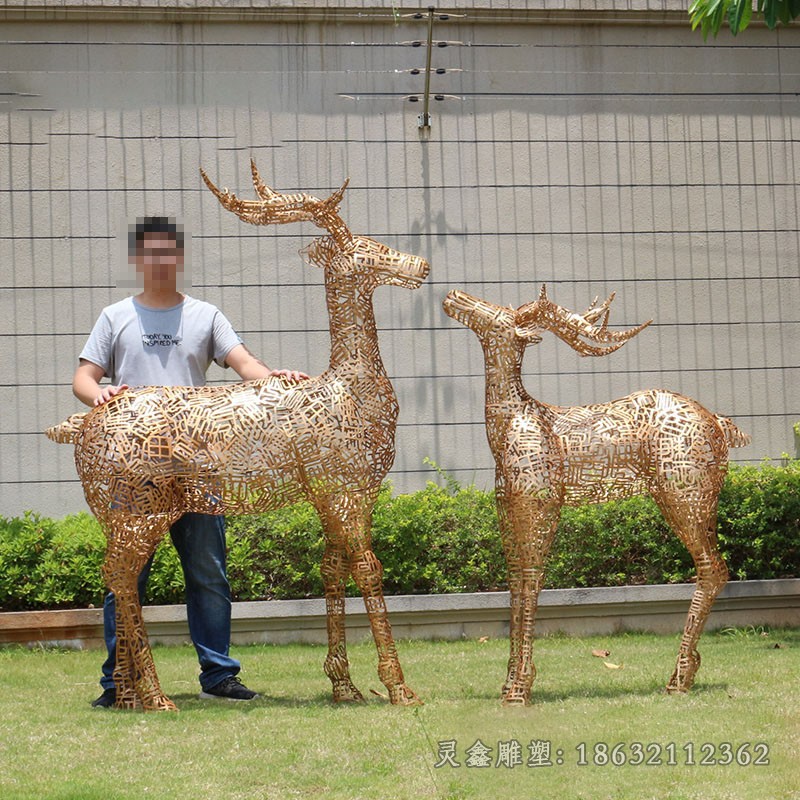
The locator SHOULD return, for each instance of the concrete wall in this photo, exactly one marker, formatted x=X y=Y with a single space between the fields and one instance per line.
x=595 y=147
x=576 y=612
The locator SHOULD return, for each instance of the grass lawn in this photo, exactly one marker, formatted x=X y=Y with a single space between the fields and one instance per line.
x=294 y=743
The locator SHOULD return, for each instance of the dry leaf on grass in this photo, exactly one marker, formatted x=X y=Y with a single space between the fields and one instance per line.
x=613 y=666
x=484 y=639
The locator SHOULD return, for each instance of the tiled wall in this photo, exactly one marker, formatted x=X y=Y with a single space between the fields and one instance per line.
x=590 y=155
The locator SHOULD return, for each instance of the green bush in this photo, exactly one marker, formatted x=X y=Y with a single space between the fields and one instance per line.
x=276 y=555
x=50 y=564
x=616 y=544
x=759 y=521
x=435 y=540
x=46 y=563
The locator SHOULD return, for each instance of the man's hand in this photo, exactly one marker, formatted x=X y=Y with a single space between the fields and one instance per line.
x=251 y=368
x=293 y=375
x=107 y=392
x=86 y=385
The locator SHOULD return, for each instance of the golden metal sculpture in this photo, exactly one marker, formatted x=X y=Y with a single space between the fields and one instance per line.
x=150 y=455
x=655 y=442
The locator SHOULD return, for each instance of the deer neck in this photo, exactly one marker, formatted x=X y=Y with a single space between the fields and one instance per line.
x=354 y=335
x=505 y=394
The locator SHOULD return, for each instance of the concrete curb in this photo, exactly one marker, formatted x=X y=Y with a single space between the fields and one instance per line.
x=578 y=612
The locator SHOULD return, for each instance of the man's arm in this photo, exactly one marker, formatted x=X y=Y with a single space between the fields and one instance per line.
x=86 y=384
x=251 y=368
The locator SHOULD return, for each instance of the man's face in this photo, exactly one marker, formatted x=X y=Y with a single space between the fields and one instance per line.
x=158 y=261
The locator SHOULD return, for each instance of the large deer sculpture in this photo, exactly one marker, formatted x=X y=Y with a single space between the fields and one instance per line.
x=655 y=442
x=152 y=454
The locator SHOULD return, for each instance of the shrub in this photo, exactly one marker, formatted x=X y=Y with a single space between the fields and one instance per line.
x=277 y=555
x=49 y=564
x=435 y=540
x=759 y=521
x=438 y=540
x=618 y=543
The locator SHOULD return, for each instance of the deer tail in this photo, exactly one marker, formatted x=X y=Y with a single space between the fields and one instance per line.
x=733 y=435
x=67 y=432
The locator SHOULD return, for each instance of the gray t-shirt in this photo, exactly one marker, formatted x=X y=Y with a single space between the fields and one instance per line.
x=143 y=346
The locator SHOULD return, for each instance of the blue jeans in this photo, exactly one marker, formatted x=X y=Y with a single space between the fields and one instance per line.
x=200 y=542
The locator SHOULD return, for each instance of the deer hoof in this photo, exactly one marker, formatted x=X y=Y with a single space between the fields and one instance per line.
x=128 y=701
x=402 y=695
x=346 y=692
x=516 y=696
x=678 y=685
x=161 y=704
x=683 y=677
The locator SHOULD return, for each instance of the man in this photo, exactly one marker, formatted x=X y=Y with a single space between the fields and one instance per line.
x=162 y=337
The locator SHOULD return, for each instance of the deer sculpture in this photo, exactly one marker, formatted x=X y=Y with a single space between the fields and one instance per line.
x=151 y=454
x=655 y=442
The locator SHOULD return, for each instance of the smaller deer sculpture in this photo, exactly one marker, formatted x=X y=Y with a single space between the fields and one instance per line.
x=655 y=442
x=151 y=454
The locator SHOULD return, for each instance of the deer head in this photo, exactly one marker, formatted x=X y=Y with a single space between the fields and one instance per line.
x=588 y=333
x=480 y=316
x=340 y=252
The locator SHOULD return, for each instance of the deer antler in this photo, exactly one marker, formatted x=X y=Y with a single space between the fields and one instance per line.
x=574 y=328
x=276 y=208
x=595 y=312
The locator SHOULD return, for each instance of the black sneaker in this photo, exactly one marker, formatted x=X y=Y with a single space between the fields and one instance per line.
x=106 y=700
x=228 y=689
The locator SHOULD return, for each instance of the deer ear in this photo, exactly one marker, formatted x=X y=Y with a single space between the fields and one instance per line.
x=526 y=323
x=320 y=252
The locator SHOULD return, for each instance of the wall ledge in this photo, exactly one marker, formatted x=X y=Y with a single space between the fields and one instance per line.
x=389 y=12
x=577 y=612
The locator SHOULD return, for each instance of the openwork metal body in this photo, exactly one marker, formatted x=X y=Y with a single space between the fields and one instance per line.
x=655 y=442
x=152 y=454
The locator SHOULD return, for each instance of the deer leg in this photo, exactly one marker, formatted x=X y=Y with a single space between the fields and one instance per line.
x=712 y=575
x=347 y=524
x=527 y=528
x=335 y=570
x=130 y=545
x=367 y=573
x=694 y=520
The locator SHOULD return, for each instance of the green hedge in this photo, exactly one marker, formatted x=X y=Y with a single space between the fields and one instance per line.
x=436 y=540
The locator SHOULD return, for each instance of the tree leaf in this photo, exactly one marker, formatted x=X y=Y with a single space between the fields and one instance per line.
x=709 y=15
x=739 y=15
x=771 y=13
x=718 y=15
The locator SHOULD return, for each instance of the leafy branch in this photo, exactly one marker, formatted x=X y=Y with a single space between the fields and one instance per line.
x=710 y=14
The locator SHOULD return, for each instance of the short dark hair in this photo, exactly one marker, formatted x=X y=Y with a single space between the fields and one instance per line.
x=145 y=225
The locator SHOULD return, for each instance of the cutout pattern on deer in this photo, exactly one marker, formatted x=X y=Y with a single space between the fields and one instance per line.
x=149 y=455
x=547 y=456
